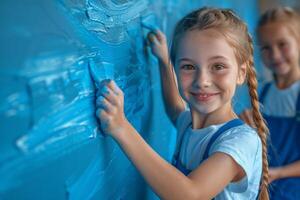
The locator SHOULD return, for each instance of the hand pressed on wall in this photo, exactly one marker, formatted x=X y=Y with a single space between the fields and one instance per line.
x=110 y=108
x=158 y=44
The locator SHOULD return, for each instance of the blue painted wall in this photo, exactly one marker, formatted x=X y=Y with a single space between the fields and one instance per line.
x=50 y=143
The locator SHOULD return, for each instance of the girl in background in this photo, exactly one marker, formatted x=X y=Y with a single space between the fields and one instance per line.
x=279 y=39
x=217 y=155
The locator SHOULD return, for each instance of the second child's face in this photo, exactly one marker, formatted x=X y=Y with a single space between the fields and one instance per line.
x=279 y=48
x=207 y=71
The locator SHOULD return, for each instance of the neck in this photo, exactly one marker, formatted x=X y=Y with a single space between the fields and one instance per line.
x=219 y=116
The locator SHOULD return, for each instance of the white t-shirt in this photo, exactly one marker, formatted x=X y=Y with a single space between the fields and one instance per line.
x=281 y=103
x=242 y=143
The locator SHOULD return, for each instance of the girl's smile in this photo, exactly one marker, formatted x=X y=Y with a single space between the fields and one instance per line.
x=204 y=97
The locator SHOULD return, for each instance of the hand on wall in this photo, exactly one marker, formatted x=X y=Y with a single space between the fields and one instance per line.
x=158 y=44
x=110 y=108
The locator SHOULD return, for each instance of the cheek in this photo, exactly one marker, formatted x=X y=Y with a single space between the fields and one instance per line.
x=185 y=80
x=291 y=53
x=227 y=83
x=286 y=51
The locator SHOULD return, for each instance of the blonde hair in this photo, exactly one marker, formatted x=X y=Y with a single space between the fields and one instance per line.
x=286 y=15
x=236 y=33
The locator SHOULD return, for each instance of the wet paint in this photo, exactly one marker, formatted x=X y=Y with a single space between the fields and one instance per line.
x=53 y=56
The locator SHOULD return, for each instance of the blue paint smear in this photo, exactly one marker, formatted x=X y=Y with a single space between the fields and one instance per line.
x=52 y=56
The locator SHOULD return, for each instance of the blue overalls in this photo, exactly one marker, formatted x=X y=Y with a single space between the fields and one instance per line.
x=224 y=128
x=283 y=149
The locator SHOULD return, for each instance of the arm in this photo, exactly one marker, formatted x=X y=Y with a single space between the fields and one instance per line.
x=203 y=183
x=173 y=102
x=287 y=171
x=167 y=182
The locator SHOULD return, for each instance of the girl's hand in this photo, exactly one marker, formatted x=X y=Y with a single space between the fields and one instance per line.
x=158 y=44
x=110 y=108
x=247 y=117
x=274 y=174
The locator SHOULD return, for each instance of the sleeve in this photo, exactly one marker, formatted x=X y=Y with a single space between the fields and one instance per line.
x=243 y=145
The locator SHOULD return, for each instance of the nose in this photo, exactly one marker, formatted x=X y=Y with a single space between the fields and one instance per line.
x=202 y=79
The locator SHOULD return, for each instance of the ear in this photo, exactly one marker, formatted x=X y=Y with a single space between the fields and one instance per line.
x=242 y=74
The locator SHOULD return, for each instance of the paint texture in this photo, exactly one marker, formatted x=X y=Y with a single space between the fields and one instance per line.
x=52 y=55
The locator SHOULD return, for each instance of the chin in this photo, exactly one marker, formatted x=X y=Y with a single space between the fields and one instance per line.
x=282 y=72
x=203 y=109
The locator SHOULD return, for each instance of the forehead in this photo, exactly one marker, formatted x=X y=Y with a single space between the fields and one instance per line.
x=201 y=45
x=274 y=31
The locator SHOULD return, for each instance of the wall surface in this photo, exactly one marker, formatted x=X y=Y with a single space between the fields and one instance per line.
x=50 y=143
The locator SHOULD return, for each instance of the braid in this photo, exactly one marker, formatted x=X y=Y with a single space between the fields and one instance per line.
x=261 y=127
x=235 y=32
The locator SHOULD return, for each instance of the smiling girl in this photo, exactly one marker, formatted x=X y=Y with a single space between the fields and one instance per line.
x=279 y=41
x=217 y=155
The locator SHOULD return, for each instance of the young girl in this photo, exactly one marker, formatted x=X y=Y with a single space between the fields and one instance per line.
x=217 y=155
x=279 y=38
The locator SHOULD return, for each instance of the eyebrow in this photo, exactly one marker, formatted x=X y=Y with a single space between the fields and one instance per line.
x=211 y=58
x=185 y=59
x=218 y=57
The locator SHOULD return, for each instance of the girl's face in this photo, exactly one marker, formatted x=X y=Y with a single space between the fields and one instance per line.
x=207 y=70
x=279 y=48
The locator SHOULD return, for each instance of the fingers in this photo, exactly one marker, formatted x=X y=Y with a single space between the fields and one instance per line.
x=109 y=96
x=152 y=38
x=114 y=87
x=101 y=113
x=156 y=36
x=105 y=118
x=109 y=104
x=103 y=104
x=105 y=109
x=160 y=36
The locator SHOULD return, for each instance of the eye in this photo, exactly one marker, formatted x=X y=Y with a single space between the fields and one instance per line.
x=264 y=48
x=188 y=67
x=282 y=44
x=218 y=67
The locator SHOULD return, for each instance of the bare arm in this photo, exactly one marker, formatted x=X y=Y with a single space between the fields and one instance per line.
x=173 y=102
x=287 y=171
x=205 y=182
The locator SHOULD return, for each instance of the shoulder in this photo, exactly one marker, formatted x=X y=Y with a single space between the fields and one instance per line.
x=242 y=133
x=244 y=146
x=242 y=143
x=243 y=139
